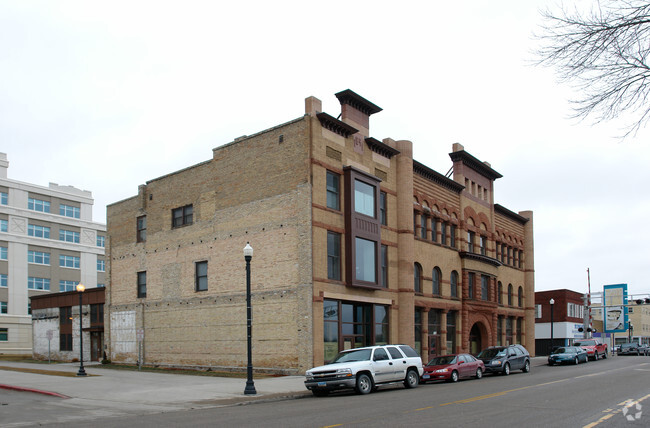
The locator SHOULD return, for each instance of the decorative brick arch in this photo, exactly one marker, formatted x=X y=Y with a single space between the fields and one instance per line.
x=483 y=321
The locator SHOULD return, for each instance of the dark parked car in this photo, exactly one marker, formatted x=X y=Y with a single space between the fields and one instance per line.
x=633 y=348
x=568 y=354
x=453 y=367
x=503 y=359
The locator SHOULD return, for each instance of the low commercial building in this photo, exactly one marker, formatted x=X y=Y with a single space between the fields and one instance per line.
x=355 y=243
x=48 y=243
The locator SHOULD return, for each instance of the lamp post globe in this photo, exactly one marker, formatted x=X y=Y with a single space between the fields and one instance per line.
x=250 y=385
x=81 y=372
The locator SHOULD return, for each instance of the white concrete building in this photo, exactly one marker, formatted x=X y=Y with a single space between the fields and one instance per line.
x=48 y=243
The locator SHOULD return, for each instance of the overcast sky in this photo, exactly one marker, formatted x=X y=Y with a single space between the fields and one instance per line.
x=107 y=95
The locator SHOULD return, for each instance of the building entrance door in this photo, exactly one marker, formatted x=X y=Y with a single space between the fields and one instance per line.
x=475 y=344
x=96 y=345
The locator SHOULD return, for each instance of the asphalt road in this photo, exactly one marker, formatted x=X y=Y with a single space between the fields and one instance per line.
x=595 y=394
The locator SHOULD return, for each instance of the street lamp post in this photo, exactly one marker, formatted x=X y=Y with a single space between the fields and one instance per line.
x=630 y=329
x=81 y=372
x=552 y=302
x=250 y=385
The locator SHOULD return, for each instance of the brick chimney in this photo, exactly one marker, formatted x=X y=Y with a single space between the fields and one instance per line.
x=356 y=111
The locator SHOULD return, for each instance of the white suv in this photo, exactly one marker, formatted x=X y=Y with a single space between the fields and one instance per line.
x=362 y=369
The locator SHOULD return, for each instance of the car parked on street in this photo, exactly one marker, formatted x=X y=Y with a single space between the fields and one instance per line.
x=362 y=369
x=451 y=368
x=568 y=354
x=595 y=349
x=633 y=348
x=504 y=359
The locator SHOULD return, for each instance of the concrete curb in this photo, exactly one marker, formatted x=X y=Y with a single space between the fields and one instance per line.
x=37 y=391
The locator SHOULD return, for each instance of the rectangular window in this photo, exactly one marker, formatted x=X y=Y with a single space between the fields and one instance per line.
x=68 y=236
x=65 y=342
x=4 y=253
x=470 y=242
x=38 y=205
x=333 y=191
x=69 y=211
x=201 y=276
x=182 y=216
x=4 y=198
x=34 y=283
x=483 y=240
x=383 y=208
x=3 y=307
x=443 y=233
x=451 y=332
x=142 y=284
x=37 y=231
x=4 y=333
x=485 y=285
x=499 y=331
x=452 y=236
x=68 y=285
x=384 y=266
x=101 y=265
x=417 y=330
x=423 y=226
x=470 y=284
x=434 y=229
x=72 y=262
x=38 y=258
x=4 y=226
x=101 y=241
x=334 y=256
x=4 y=280
x=538 y=311
x=97 y=314
x=364 y=198
x=366 y=255
x=141 y=229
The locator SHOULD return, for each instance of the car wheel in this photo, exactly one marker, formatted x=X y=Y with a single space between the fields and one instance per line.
x=526 y=368
x=364 y=384
x=479 y=373
x=412 y=379
x=576 y=361
x=605 y=355
x=454 y=376
x=506 y=369
x=320 y=392
x=596 y=356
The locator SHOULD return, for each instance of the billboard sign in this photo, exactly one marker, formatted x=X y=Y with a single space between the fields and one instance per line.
x=615 y=311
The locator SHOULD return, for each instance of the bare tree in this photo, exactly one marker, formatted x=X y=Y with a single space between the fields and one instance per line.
x=603 y=53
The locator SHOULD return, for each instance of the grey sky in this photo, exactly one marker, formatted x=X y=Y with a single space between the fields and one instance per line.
x=105 y=96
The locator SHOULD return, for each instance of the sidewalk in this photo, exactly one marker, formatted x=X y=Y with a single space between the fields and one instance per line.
x=132 y=389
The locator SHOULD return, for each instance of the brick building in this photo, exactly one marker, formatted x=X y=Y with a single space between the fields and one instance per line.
x=48 y=243
x=355 y=243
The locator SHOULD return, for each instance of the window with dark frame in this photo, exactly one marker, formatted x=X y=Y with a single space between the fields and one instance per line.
x=499 y=293
x=383 y=208
x=434 y=229
x=453 y=279
x=65 y=328
x=443 y=233
x=483 y=243
x=334 y=255
x=509 y=294
x=333 y=191
x=141 y=228
x=470 y=241
x=520 y=297
x=452 y=235
x=435 y=280
x=423 y=226
x=485 y=286
x=97 y=314
x=417 y=278
x=470 y=285
x=201 y=276
x=384 y=266
x=182 y=216
x=142 y=284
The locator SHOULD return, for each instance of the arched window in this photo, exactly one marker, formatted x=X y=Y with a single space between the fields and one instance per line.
x=509 y=294
x=520 y=297
x=500 y=293
x=453 y=279
x=417 y=278
x=436 y=277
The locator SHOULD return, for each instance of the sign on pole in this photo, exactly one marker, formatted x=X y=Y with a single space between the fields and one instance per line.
x=614 y=308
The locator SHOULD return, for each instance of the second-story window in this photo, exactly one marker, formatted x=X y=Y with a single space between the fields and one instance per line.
x=38 y=205
x=141 y=229
x=364 y=198
x=201 y=279
x=383 y=208
x=470 y=242
x=182 y=216
x=142 y=284
x=334 y=256
x=69 y=211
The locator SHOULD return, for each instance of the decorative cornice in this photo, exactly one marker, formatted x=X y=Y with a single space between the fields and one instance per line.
x=357 y=101
x=479 y=258
x=475 y=164
x=436 y=177
x=338 y=127
x=506 y=212
x=381 y=148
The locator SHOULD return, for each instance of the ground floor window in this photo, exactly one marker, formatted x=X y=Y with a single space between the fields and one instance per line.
x=434 y=332
x=417 y=330
x=499 y=331
x=451 y=332
x=509 y=331
x=65 y=342
x=519 y=330
x=349 y=325
x=4 y=334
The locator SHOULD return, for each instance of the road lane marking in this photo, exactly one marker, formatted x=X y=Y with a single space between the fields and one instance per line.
x=625 y=404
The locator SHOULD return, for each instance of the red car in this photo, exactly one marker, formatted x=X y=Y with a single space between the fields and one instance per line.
x=453 y=367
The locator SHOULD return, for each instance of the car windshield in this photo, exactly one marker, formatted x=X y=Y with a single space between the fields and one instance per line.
x=562 y=351
x=439 y=361
x=628 y=345
x=492 y=352
x=585 y=343
x=353 y=355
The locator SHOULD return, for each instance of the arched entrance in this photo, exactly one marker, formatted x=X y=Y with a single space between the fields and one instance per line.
x=477 y=338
